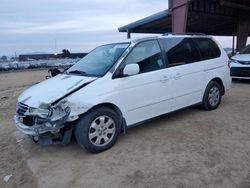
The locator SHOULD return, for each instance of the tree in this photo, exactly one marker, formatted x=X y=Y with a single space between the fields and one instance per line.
x=4 y=58
x=65 y=53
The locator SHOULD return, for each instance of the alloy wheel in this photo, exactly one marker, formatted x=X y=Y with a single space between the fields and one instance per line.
x=102 y=131
x=214 y=96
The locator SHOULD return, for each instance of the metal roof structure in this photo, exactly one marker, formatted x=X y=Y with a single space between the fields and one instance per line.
x=149 y=24
x=209 y=17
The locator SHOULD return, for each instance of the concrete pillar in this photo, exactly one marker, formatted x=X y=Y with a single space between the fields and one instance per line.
x=243 y=29
x=179 y=15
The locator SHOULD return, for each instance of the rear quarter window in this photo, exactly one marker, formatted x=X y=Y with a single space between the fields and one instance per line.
x=208 y=48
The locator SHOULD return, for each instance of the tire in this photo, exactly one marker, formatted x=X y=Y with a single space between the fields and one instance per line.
x=98 y=129
x=212 y=96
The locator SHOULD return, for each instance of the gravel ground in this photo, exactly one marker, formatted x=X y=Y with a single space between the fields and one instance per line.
x=189 y=148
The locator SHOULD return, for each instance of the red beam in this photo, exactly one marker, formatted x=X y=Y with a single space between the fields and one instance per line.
x=179 y=15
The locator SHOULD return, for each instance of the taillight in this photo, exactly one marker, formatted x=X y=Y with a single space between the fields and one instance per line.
x=229 y=64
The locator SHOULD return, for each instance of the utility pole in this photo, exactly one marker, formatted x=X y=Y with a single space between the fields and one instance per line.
x=15 y=57
x=55 y=47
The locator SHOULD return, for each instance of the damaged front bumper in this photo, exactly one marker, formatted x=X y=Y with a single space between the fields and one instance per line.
x=34 y=130
x=38 y=126
x=37 y=129
x=45 y=135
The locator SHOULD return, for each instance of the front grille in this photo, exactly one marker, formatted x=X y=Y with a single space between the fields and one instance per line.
x=22 y=108
x=240 y=71
x=29 y=120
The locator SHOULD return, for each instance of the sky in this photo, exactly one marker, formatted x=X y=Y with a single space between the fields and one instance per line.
x=78 y=25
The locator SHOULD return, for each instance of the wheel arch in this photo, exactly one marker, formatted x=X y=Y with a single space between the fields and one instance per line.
x=219 y=81
x=117 y=110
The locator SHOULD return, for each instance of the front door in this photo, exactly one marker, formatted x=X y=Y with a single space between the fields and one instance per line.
x=146 y=94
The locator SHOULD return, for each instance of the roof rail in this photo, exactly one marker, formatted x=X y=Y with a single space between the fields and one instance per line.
x=183 y=34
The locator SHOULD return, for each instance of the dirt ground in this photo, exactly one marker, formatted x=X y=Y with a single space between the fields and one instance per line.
x=189 y=148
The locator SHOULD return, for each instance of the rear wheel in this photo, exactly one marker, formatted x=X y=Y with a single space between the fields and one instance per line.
x=98 y=129
x=212 y=96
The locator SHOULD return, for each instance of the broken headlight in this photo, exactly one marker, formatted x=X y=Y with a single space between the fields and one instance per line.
x=43 y=113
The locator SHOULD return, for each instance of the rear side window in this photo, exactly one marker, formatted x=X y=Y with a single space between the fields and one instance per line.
x=208 y=48
x=180 y=51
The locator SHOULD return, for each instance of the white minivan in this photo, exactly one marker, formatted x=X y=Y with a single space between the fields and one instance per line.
x=119 y=85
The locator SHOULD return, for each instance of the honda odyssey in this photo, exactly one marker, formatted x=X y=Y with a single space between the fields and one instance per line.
x=119 y=85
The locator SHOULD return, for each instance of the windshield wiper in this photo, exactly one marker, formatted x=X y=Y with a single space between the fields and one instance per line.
x=77 y=72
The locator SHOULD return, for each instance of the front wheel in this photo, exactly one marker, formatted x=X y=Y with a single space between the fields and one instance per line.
x=98 y=129
x=212 y=96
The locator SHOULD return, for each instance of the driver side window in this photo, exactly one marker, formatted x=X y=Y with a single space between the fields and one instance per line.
x=147 y=55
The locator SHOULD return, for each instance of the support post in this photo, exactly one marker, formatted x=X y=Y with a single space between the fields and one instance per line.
x=243 y=29
x=179 y=15
x=233 y=46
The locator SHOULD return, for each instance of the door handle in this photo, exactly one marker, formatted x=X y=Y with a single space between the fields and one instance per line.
x=177 y=76
x=164 y=79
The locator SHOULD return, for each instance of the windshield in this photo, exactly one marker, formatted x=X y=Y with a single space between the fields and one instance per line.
x=245 y=50
x=99 y=61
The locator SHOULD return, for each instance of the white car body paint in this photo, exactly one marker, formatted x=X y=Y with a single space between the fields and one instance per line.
x=242 y=57
x=138 y=97
x=144 y=96
x=245 y=58
x=52 y=89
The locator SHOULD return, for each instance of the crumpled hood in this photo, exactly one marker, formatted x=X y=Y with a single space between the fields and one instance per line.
x=52 y=89
x=242 y=57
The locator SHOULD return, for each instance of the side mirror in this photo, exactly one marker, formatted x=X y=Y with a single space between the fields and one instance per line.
x=131 y=69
